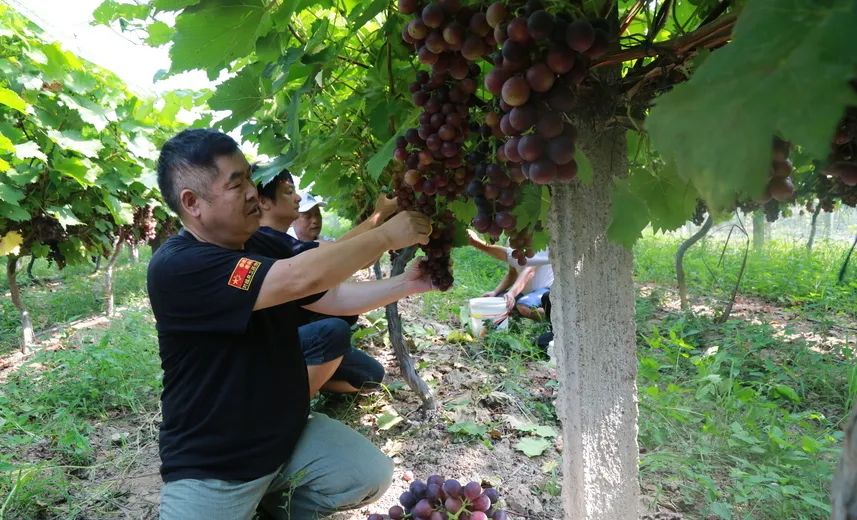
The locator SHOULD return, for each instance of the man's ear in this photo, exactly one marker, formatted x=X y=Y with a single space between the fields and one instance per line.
x=190 y=202
x=265 y=203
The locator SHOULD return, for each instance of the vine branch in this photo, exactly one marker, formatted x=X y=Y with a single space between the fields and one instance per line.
x=710 y=35
x=338 y=56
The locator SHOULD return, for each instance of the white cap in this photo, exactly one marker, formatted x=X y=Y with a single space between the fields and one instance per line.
x=308 y=201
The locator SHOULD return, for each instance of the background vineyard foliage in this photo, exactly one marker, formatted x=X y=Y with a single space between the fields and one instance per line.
x=77 y=148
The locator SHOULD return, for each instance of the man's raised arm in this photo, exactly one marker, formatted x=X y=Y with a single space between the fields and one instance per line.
x=318 y=269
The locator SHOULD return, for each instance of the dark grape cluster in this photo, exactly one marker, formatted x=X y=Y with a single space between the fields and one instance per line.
x=144 y=227
x=542 y=61
x=536 y=73
x=842 y=162
x=448 y=38
x=445 y=499
x=780 y=186
x=438 y=249
x=493 y=189
x=47 y=230
x=699 y=212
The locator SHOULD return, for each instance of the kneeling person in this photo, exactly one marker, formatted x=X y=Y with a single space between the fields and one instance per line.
x=237 y=431
x=334 y=365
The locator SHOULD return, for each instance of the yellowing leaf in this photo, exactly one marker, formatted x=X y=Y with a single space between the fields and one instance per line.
x=12 y=100
x=532 y=446
x=388 y=419
x=11 y=243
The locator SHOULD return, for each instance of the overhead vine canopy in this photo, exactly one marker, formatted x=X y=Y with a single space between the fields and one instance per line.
x=322 y=86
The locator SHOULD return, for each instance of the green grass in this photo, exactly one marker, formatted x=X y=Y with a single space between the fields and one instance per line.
x=68 y=294
x=738 y=423
x=49 y=406
x=783 y=273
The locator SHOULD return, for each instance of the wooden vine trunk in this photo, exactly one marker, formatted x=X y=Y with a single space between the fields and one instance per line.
x=397 y=337
x=27 y=336
x=679 y=260
x=108 y=274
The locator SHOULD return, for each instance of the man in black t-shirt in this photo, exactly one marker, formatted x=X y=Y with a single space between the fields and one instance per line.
x=236 y=429
x=333 y=364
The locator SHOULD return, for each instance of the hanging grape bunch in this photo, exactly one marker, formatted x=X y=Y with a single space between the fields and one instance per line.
x=699 y=213
x=48 y=231
x=543 y=60
x=842 y=163
x=780 y=186
x=447 y=38
x=439 y=499
x=143 y=228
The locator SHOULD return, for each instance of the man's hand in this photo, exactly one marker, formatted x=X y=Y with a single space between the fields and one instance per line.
x=385 y=207
x=418 y=278
x=489 y=294
x=473 y=240
x=510 y=301
x=406 y=229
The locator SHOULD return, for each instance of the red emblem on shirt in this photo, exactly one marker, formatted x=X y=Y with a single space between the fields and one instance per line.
x=242 y=275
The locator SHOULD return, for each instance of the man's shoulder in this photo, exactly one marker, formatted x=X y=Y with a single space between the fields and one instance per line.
x=270 y=242
x=181 y=252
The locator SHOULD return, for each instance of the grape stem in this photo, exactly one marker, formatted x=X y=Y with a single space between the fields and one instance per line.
x=710 y=35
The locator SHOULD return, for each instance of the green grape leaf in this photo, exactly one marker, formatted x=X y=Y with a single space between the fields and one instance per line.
x=159 y=34
x=10 y=194
x=82 y=171
x=59 y=62
x=364 y=12
x=30 y=150
x=4 y=166
x=71 y=140
x=173 y=5
x=388 y=419
x=786 y=72
x=268 y=171
x=91 y=112
x=65 y=216
x=212 y=34
x=669 y=199
x=540 y=430
x=533 y=205
x=382 y=157
x=13 y=212
x=241 y=94
x=110 y=10
x=628 y=215
x=12 y=100
x=532 y=446
x=463 y=211
x=584 y=167
x=469 y=428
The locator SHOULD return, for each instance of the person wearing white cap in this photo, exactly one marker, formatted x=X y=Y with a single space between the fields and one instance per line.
x=307 y=227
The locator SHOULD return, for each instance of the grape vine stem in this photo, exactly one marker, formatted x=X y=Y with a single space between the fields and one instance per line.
x=710 y=35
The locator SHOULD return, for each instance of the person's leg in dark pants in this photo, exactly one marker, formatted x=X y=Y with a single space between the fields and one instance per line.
x=324 y=343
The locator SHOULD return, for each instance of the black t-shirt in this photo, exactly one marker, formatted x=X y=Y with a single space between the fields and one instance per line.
x=281 y=243
x=236 y=395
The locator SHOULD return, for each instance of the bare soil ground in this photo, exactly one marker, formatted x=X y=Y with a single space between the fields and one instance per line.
x=124 y=482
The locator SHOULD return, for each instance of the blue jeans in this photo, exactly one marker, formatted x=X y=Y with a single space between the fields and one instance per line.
x=333 y=468
x=329 y=338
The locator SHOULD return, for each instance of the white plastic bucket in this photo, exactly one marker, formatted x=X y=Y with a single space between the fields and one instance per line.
x=490 y=308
